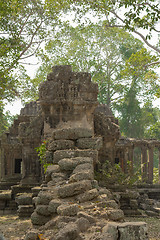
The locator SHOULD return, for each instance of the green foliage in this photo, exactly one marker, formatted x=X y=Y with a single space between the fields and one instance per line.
x=102 y=52
x=155 y=175
x=42 y=155
x=5 y=119
x=130 y=120
x=154 y=131
x=110 y=174
x=132 y=15
x=151 y=120
x=23 y=28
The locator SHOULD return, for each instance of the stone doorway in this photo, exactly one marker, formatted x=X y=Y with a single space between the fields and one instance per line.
x=18 y=166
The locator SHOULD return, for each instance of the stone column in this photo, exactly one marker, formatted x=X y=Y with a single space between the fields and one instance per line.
x=150 y=164
x=144 y=161
x=121 y=158
x=125 y=160
x=130 y=158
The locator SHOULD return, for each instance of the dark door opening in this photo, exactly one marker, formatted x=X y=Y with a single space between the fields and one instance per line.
x=17 y=165
x=116 y=160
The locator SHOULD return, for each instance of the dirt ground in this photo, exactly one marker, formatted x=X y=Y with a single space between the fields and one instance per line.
x=14 y=228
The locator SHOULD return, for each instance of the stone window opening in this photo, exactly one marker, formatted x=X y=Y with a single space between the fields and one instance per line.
x=18 y=166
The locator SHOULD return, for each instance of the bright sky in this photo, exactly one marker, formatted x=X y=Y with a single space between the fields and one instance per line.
x=16 y=106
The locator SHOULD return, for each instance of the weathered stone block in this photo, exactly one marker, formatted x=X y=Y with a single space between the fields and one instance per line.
x=61 y=72
x=70 y=232
x=68 y=209
x=61 y=145
x=24 y=199
x=105 y=193
x=108 y=204
x=110 y=231
x=84 y=175
x=72 y=189
x=51 y=169
x=91 y=143
x=62 y=220
x=56 y=181
x=39 y=219
x=25 y=209
x=58 y=175
x=31 y=235
x=35 y=191
x=53 y=205
x=72 y=133
x=87 y=216
x=83 y=224
x=83 y=167
x=60 y=154
x=87 y=196
x=68 y=164
x=133 y=230
x=44 y=198
x=115 y=214
x=43 y=210
x=5 y=195
x=50 y=224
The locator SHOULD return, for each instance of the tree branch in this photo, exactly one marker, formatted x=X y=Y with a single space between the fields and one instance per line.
x=26 y=48
x=32 y=53
x=150 y=64
x=21 y=30
x=135 y=31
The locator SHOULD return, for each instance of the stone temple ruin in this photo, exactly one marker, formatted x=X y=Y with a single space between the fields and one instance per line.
x=80 y=135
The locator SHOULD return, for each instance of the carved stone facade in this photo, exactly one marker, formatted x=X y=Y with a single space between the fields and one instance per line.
x=18 y=158
x=67 y=100
x=67 y=97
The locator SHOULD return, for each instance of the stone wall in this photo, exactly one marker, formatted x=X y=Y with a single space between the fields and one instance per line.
x=125 y=148
x=18 y=158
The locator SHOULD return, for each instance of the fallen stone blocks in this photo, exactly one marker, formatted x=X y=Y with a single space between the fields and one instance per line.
x=25 y=205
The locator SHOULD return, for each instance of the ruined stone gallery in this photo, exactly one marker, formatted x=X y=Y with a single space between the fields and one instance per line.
x=79 y=135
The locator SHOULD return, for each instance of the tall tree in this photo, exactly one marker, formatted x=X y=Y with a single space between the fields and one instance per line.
x=143 y=85
x=24 y=26
x=90 y=48
x=133 y=15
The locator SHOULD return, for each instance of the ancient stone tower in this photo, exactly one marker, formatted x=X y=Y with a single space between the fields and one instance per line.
x=68 y=99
